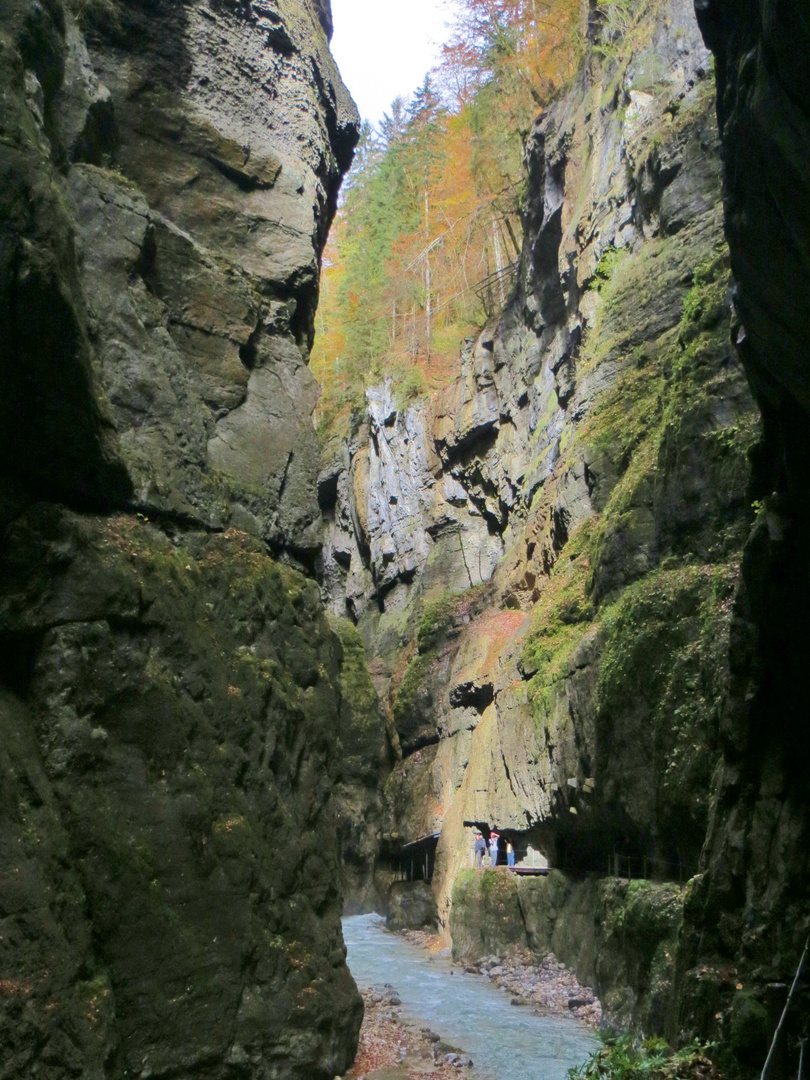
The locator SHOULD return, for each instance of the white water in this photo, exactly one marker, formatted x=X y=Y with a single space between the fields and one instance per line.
x=505 y=1042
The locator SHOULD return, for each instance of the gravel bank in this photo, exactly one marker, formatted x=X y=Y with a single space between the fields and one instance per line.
x=392 y=1048
x=540 y=982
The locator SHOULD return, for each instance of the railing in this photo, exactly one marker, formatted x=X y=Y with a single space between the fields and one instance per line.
x=628 y=867
x=498 y=284
x=648 y=868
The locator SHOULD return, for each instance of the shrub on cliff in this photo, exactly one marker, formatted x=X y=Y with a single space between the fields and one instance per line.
x=627 y=1058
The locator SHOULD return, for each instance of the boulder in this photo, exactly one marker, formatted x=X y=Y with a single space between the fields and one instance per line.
x=411 y=906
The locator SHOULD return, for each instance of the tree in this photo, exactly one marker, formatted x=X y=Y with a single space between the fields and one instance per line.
x=430 y=207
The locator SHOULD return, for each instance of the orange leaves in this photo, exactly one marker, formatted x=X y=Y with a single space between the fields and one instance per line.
x=431 y=207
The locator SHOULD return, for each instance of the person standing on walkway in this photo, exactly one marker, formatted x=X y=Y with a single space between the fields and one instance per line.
x=510 y=854
x=493 y=848
x=480 y=847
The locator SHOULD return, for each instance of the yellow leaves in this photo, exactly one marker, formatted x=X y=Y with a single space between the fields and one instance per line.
x=431 y=207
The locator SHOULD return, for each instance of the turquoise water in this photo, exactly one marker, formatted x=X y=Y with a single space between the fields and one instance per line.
x=468 y=1011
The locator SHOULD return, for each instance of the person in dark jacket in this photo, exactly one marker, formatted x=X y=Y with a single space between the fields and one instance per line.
x=480 y=847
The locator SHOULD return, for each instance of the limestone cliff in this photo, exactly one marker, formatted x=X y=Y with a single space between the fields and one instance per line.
x=171 y=698
x=543 y=557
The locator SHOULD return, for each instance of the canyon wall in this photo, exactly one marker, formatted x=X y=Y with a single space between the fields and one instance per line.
x=749 y=913
x=544 y=558
x=172 y=699
x=617 y=935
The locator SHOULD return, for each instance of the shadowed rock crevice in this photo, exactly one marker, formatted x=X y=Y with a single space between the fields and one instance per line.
x=749 y=908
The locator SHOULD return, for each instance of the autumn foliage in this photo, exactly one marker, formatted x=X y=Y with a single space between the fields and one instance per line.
x=423 y=245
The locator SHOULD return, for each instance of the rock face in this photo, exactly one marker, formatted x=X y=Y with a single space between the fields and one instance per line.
x=617 y=936
x=749 y=912
x=184 y=280
x=543 y=556
x=169 y=899
x=171 y=699
x=411 y=906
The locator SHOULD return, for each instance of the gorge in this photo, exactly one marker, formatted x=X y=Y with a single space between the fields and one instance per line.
x=563 y=595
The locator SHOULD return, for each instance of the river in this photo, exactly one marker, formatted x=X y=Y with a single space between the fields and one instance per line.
x=466 y=1010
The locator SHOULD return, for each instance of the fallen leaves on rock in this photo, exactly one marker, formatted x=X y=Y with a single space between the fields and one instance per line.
x=392 y=1048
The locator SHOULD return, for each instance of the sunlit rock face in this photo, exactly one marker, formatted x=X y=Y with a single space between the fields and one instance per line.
x=205 y=145
x=749 y=910
x=545 y=559
x=170 y=696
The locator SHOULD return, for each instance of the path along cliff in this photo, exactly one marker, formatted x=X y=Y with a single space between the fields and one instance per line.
x=544 y=559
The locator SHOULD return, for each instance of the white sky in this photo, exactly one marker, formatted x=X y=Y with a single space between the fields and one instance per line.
x=384 y=48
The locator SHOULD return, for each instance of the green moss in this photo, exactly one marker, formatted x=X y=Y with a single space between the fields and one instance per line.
x=652 y=916
x=607 y=265
x=356 y=681
x=436 y=620
x=412 y=680
x=661 y=632
x=361 y=735
x=485 y=914
x=750 y=1029
x=562 y=615
x=434 y=625
x=664 y=655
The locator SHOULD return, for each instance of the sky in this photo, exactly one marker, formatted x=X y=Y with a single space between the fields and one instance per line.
x=384 y=48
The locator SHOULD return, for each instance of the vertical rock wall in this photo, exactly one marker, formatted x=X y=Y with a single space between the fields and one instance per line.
x=499 y=543
x=545 y=557
x=749 y=913
x=173 y=171
x=170 y=697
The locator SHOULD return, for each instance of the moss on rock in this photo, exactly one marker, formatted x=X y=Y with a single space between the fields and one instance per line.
x=619 y=937
x=184 y=694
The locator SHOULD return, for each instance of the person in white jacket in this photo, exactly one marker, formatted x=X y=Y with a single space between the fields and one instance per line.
x=493 y=848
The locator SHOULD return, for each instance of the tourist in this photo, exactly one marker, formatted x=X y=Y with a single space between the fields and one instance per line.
x=480 y=848
x=493 y=848
x=510 y=854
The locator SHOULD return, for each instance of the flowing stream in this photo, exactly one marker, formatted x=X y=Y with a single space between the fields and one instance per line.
x=466 y=1010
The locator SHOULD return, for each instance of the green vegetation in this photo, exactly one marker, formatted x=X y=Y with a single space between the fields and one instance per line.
x=560 y=618
x=607 y=265
x=436 y=620
x=627 y=1058
x=431 y=208
x=437 y=617
x=406 y=693
x=362 y=730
